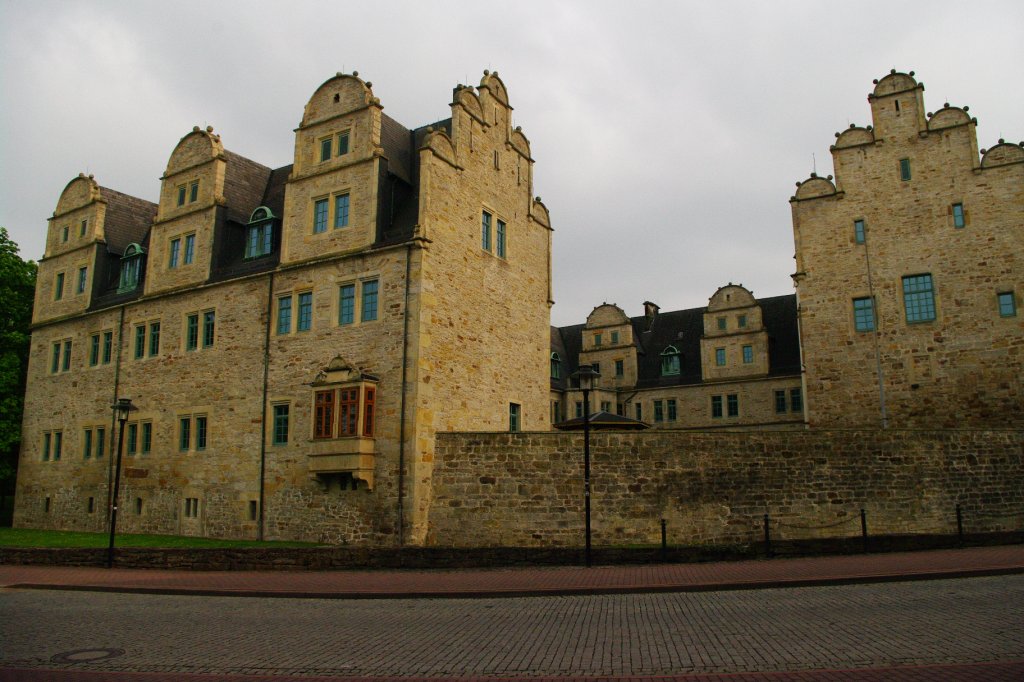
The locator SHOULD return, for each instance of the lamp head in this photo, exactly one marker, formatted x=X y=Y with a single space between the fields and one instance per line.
x=121 y=408
x=586 y=375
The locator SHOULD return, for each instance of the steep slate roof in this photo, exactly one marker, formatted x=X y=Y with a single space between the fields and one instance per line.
x=127 y=219
x=245 y=183
x=683 y=329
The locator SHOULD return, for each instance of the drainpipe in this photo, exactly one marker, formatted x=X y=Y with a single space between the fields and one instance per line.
x=113 y=419
x=263 y=425
x=878 y=352
x=401 y=423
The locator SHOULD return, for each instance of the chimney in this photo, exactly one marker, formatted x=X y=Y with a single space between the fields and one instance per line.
x=650 y=312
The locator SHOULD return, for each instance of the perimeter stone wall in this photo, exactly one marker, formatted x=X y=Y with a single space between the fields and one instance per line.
x=502 y=489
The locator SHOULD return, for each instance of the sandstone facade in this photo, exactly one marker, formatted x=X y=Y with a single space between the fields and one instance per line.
x=909 y=271
x=292 y=338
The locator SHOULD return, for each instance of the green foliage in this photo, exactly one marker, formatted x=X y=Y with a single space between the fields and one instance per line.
x=27 y=537
x=17 y=288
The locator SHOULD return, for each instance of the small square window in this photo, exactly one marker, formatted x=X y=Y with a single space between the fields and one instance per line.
x=904 y=169
x=1007 y=304
x=858 y=231
x=958 y=215
x=864 y=314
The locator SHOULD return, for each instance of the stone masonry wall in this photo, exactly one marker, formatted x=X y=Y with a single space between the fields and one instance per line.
x=714 y=488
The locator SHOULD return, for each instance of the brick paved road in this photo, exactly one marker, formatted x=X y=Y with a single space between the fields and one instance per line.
x=797 y=629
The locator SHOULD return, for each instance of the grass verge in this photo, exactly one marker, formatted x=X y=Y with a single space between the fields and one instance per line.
x=28 y=537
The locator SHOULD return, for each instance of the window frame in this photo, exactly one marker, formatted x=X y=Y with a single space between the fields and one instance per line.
x=191 y=331
x=748 y=354
x=321 y=211
x=671 y=409
x=209 y=328
x=720 y=359
x=193 y=192
x=485 y=230
x=154 y=338
x=959 y=217
x=919 y=303
x=499 y=238
x=58 y=286
x=905 y=173
x=732 y=405
x=174 y=253
x=671 y=362
x=370 y=301
x=659 y=412
x=284 y=315
x=515 y=418
x=859 y=235
x=83 y=276
x=280 y=422
x=342 y=209
x=190 y=249
x=304 y=319
x=780 y=401
x=864 y=318
x=716 y=407
x=1004 y=297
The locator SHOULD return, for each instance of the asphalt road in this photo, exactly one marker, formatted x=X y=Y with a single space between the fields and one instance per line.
x=969 y=620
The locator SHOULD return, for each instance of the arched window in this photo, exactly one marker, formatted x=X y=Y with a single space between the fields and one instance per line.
x=259 y=233
x=131 y=268
x=556 y=366
x=670 y=364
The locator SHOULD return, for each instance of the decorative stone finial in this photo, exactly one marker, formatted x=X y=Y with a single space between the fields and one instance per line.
x=929 y=114
x=875 y=81
x=852 y=126
x=356 y=74
x=519 y=129
x=81 y=175
x=911 y=74
x=209 y=129
x=892 y=71
x=538 y=200
x=91 y=177
x=946 y=105
x=369 y=84
x=1002 y=141
x=966 y=108
x=829 y=177
x=814 y=175
x=338 y=74
x=195 y=129
x=430 y=129
x=486 y=72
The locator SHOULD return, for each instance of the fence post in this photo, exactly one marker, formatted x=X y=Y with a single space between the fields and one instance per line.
x=664 y=542
x=767 y=537
x=959 y=525
x=864 y=529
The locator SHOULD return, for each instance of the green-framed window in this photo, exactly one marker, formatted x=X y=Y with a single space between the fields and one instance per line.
x=732 y=404
x=748 y=355
x=325 y=149
x=958 y=215
x=370 y=289
x=133 y=438
x=193 y=192
x=858 y=231
x=671 y=364
x=140 y=341
x=720 y=357
x=347 y=304
x=83 y=275
x=796 y=400
x=184 y=433
x=181 y=194
x=94 y=350
x=919 y=298
x=108 y=347
x=101 y=442
x=485 y=231
x=284 y=314
x=341 y=206
x=58 y=287
x=280 y=424
x=154 y=338
x=1007 y=304
x=500 y=239
x=305 y=320
x=175 y=253
x=904 y=169
x=201 y=432
x=65 y=364
x=620 y=368
x=319 y=216
x=192 y=332
x=343 y=139
x=514 y=417
x=190 y=248
x=864 y=314
x=659 y=412
x=147 y=437
x=87 y=444
x=556 y=366
x=209 y=320
x=716 y=407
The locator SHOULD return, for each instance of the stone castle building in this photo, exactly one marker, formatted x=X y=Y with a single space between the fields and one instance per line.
x=292 y=338
x=910 y=271
x=295 y=338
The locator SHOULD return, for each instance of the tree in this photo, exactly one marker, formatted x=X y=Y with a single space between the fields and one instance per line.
x=17 y=289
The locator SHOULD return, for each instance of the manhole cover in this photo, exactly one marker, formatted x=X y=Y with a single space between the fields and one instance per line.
x=86 y=655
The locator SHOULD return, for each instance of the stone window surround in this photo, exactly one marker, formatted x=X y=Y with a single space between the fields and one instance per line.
x=330 y=200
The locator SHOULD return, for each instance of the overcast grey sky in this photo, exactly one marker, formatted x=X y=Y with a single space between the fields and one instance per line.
x=668 y=135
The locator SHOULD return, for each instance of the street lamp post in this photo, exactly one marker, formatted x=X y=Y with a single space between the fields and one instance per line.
x=121 y=409
x=586 y=376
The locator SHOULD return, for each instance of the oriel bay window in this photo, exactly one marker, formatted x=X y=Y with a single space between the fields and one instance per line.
x=344 y=411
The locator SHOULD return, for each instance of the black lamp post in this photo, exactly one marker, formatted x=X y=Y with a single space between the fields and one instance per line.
x=586 y=376
x=121 y=409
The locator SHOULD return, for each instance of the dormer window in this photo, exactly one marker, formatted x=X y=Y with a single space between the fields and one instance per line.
x=556 y=366
x=259 y=236
x=131 y=268
x=670 y=363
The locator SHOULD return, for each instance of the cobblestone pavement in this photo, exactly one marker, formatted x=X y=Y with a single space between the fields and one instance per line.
x=927 y=630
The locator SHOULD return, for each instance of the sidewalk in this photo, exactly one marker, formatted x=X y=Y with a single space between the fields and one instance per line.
x=518 y=582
